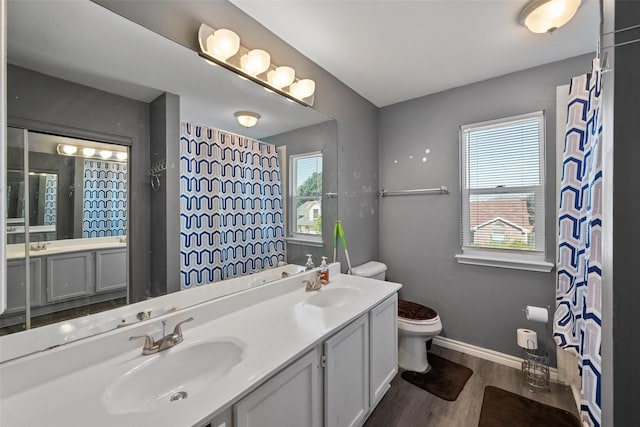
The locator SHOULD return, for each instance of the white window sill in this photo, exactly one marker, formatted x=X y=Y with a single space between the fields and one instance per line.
x=307 y=242
x=519 y=263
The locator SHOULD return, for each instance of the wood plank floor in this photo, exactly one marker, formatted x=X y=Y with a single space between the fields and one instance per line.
x=406 y=405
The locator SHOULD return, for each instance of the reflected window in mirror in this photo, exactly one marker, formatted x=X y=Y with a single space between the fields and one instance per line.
x=305 y=210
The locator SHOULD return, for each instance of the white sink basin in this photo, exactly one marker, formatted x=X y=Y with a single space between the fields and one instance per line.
x=332 y=297
x=171 y=375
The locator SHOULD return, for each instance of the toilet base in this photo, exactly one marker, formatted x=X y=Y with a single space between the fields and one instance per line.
x=412 y=353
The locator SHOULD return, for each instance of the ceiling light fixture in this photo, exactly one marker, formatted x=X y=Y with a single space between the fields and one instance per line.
x=546 y=16
x=247 y=118
x=222 y=47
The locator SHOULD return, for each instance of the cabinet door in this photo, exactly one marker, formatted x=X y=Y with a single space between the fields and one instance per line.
x=111 y=270
x=16 y=283
x=384 y=347
x=288 y=399
x=346 y=375
x=69 y=276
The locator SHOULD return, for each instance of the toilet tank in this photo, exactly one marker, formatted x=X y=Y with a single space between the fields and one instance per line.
x=371 y=269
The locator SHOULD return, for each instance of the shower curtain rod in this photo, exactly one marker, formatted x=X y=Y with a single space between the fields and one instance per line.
x=439 y=190
x=228 y=132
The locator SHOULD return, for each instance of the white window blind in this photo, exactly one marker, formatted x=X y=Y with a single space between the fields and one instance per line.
x=306 y=196
x=503 y=185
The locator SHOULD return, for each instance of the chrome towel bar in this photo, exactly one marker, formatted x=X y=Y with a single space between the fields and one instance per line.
x=440 y=190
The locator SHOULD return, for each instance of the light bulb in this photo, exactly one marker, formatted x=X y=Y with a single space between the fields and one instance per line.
x=88 y=151
x=303 y=88
x=223 y=44
x=281 y=77
x=255 y=62
x=69 y=149
x=105 y=154
x=121 y=155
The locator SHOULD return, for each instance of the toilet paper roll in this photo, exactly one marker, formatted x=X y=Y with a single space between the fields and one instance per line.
x=527 y=338
x=537 y=314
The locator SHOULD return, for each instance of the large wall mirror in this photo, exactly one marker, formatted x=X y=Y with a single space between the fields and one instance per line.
x=89 y=232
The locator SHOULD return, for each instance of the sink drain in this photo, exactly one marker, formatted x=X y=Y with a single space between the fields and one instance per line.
x=179 y=396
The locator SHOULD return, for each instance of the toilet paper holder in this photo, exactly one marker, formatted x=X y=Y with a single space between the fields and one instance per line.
x=547 y=309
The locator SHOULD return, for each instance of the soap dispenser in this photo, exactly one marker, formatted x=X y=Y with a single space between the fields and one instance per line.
x=324 y=271
x=309 y=265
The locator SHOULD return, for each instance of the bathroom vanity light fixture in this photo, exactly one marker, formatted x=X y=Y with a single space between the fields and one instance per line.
x=247 y=118
x=91 y=153
x=546 y=16
x=223 y=48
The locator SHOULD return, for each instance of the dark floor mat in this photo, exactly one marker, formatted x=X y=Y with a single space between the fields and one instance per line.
x=501 y=408
x=445 y=379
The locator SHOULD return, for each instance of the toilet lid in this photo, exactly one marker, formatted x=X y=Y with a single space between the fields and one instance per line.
x=416 y=313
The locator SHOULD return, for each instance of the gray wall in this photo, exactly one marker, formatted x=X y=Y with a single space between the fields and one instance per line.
x=321 y=137
x=164 y=116
x=420 y=235
x=626 y=205
x=356 y=117
x=51 y=105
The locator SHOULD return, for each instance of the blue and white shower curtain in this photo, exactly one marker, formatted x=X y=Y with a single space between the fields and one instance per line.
x=231 y=214
x=104 y=200
x=577 y=326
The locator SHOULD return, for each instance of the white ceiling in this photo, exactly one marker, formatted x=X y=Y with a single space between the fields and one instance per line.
x=391 y=51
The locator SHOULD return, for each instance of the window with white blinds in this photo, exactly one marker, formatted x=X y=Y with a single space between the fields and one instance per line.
x=503 y=185
x=305 y=211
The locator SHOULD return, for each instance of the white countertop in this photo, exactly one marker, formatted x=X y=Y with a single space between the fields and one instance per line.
x=17 y=250
x=65 y=386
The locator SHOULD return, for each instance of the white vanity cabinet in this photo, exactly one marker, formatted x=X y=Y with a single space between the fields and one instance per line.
x=290 y=398
x=336 y=384
x=383 y=344
x=346 y=375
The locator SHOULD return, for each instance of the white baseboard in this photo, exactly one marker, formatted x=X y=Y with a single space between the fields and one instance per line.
x=486 y=354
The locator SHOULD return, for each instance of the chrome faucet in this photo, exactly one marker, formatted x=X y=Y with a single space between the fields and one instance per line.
x=167 y=341
x=315 y=284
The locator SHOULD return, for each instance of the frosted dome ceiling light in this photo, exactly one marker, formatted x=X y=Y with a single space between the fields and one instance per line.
x=546 y=16
x=303 y=88
x=255 y=62
x=247 y=118
x=223 y=44
x=88 y=151
x=281 y=77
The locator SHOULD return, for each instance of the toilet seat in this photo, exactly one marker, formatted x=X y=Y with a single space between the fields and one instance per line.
x=416 y=314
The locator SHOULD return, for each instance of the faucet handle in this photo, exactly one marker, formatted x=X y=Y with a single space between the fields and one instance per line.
x=177 y=330
x=149 y=343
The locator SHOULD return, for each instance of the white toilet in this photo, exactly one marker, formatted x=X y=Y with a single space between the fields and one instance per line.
x=417 y=323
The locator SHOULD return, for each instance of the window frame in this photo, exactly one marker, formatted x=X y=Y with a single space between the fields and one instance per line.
x=293 y=235
x=533 y=260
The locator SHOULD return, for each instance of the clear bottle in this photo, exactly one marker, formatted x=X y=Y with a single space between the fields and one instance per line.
x=324 y=271
x=309 y=265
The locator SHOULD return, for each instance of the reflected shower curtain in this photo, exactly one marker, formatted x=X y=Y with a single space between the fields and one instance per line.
x=577 y=326
x=231 y=220
x=104 y=200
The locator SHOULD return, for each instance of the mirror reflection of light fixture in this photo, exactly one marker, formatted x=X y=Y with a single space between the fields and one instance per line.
x=254 y=65
x=223 y=43
x=90 y=152
x=105 y=154
x=546 y=16
x=247 y=118
x=69 y=149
